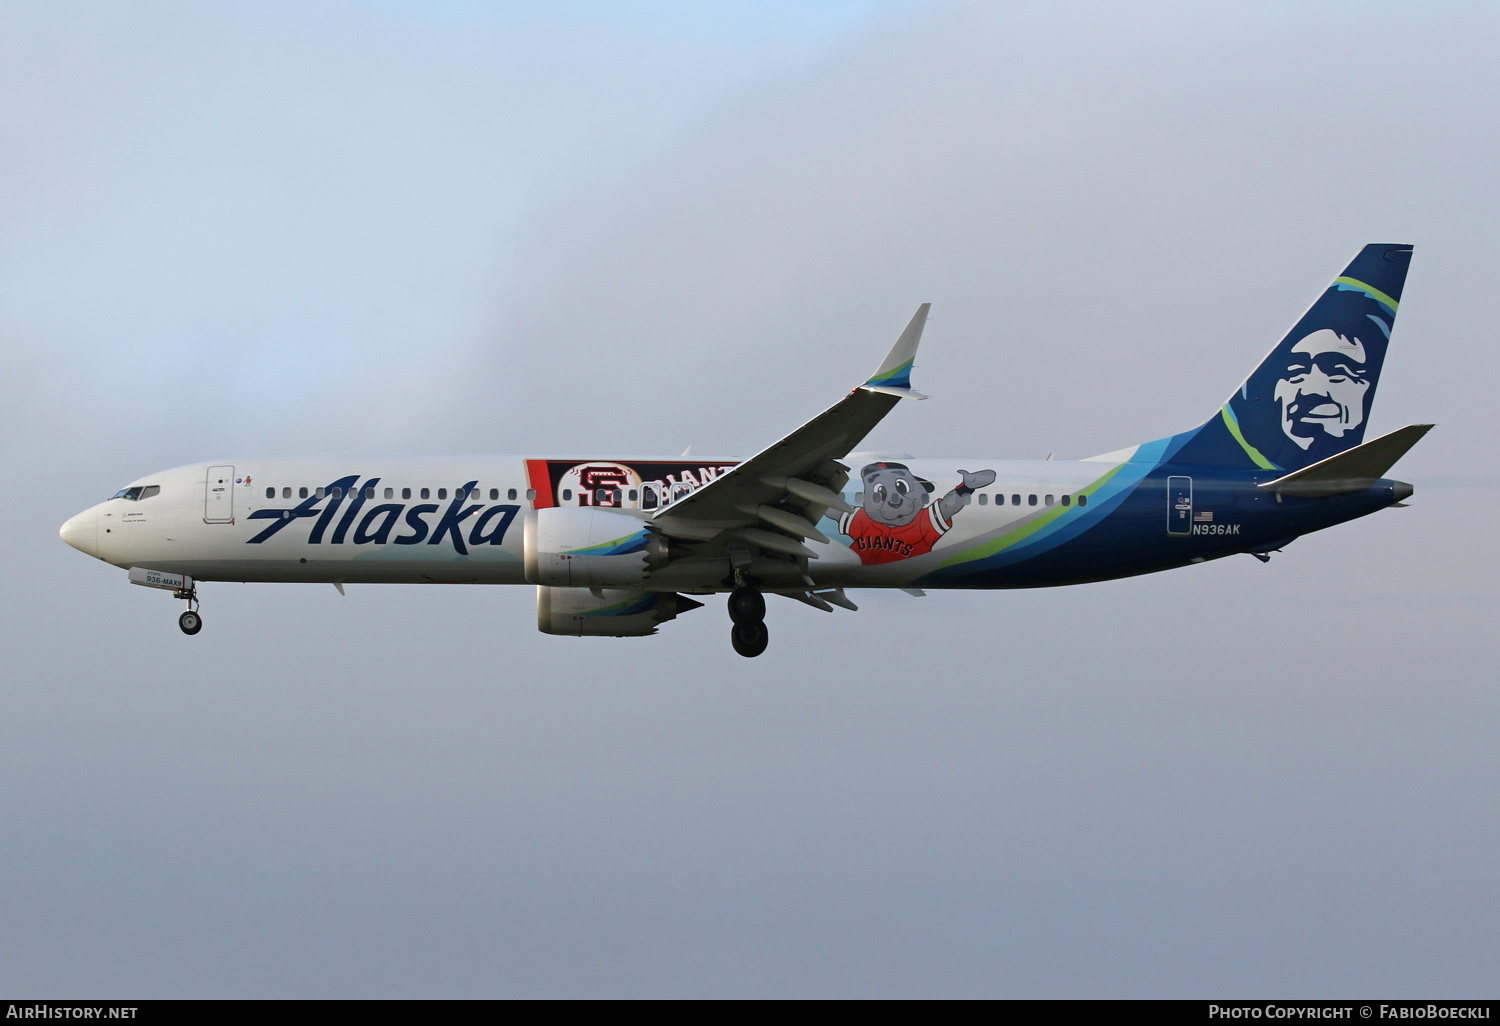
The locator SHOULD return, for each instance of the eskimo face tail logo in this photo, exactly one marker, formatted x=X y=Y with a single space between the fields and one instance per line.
x=1323 y=387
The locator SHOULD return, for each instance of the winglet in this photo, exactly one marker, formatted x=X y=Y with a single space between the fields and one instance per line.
x=894 y=375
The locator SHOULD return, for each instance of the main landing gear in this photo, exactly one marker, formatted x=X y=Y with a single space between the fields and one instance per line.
x=747 y=608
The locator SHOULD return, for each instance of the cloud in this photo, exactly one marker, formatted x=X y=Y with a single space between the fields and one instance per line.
x=252 y=230
x=1083 y=194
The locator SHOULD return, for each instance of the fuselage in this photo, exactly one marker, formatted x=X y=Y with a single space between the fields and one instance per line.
x=399 y=519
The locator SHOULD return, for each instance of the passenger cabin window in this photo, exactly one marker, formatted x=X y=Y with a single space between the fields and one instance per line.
x=426 y=494
x=318 y=491
x=567 y=495
x=369 y=493
x=494 y=493
x=302 y=492
x=530 y=494
x=632 y=495
x=1067 y=500
x=1083 y=500
x=406 y=493
x=337 y=492
x=1015 y=500
x=390 y=493
x=1031 y=500
x=983 y=499
x=648 y=497
x=270 y=493
x=510 y=494
x=286 y=493
x=442 y=493
x=1048 y=500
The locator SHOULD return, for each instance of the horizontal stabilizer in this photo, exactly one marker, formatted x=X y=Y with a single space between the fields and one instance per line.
x=1351 y=471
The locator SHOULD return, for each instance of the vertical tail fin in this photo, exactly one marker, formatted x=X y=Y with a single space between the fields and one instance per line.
x=1311 y=398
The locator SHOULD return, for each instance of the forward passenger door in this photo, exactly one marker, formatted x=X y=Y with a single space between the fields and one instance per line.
x=218 y=496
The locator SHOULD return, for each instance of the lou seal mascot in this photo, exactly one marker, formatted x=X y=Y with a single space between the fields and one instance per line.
x=896 y=521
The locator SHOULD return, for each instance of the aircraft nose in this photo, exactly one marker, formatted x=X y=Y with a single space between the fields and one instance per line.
x=82 y=532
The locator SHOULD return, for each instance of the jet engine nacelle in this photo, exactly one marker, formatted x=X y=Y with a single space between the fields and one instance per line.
x=600 y=613
x=587 y=547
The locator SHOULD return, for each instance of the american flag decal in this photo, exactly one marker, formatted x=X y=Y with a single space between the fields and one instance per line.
x=1206 y=517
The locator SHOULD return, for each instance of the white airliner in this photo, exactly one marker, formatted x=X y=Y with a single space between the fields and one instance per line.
x=616 y=545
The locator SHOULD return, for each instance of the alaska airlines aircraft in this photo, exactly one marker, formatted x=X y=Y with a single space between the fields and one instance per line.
x=617 y=545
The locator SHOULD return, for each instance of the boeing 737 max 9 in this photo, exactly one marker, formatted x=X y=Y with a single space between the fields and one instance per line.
x=615 y=546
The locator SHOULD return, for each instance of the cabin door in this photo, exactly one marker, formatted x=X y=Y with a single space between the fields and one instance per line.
x=218 y=496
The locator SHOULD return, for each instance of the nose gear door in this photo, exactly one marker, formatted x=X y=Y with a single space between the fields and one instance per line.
x=1179 y=505
x=218 y=496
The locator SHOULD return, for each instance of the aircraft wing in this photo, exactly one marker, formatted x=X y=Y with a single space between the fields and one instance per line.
x=775 y=498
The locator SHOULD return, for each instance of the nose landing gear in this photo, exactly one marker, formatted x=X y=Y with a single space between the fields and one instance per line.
x=180 y=585
x=190 y=621
x=747 y=608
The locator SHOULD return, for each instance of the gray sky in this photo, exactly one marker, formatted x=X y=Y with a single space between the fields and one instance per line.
x=231 y=229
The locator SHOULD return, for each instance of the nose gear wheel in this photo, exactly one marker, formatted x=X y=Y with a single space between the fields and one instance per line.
x=190 y=621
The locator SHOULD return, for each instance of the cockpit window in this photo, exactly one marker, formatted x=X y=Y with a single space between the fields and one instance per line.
x=137 y=493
